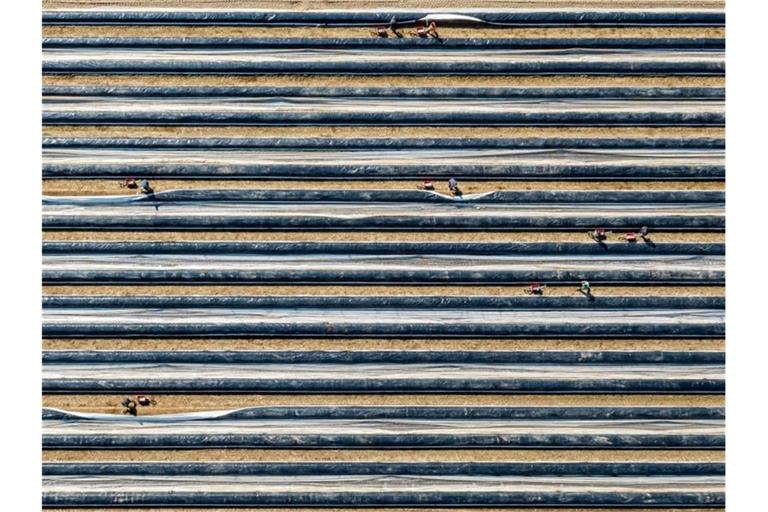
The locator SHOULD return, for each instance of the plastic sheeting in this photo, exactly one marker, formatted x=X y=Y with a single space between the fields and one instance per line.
x=298 y=484
x=309 y=195
x=69 y=213
x=91 y=430
x=389 y=468
x=676 y=43
x=435 y=92
x=380 y=143
x=503 y=17
x=368 y=427
x=90 y=322
x=368 y=61
x=391 y=301
x=337 y=268
x=372 y=111
x=410 y=357
x=416 y=158
x=372 y=164
x=386 y=248
x=391 y=490
x=416 y=412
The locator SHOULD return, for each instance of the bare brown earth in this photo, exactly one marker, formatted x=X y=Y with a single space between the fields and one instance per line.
x=378 y=132
x=362 y=236
x=384 y=289
x=313 y=455
x=95 y=187
x=362 y=344
x=167 y=404
x=306 y=5
x=366 y=32
x=389 y=81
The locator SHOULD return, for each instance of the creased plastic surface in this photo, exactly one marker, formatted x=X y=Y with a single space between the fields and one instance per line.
x=373 y=111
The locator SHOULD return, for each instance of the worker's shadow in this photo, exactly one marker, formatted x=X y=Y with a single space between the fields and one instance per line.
x=588 y=295
x=649 y=242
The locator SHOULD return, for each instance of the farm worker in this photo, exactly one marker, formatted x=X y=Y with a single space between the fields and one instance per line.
x=144 y=401
x=129 y=405
x=453 y=185
x=644 y=231
x=432 y=30
x=427 y=185
x=598 y=234
x=586 y=289
x=536 y=288
x=392 y=24
x=145 y=187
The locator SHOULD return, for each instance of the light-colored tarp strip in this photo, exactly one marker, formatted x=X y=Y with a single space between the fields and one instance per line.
x=367 y=17
x=106 y=104
x=415 y=158
x=354 y=210
x=300 y=484
x=146 y=426
x=383 y=317
x=377 y=263
x=376 y=55
x=162 y=370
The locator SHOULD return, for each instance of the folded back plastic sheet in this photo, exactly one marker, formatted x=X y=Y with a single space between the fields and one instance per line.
x=540 y=427
x=375 y=210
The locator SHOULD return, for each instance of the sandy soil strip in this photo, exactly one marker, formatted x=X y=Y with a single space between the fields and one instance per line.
x=381 y=132
x=500 y=455
x=304 y=5
x=365 y=32
x=357 y=236
x=357 y=344
x=65 y=187
x=384 y=289
x=187 y=403
x=388 y=81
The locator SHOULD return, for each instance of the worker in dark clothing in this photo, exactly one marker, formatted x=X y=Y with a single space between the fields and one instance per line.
x=145 y=187
x=453 y=186
x=129 y=406
x=598 y=234
x=644 y=232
